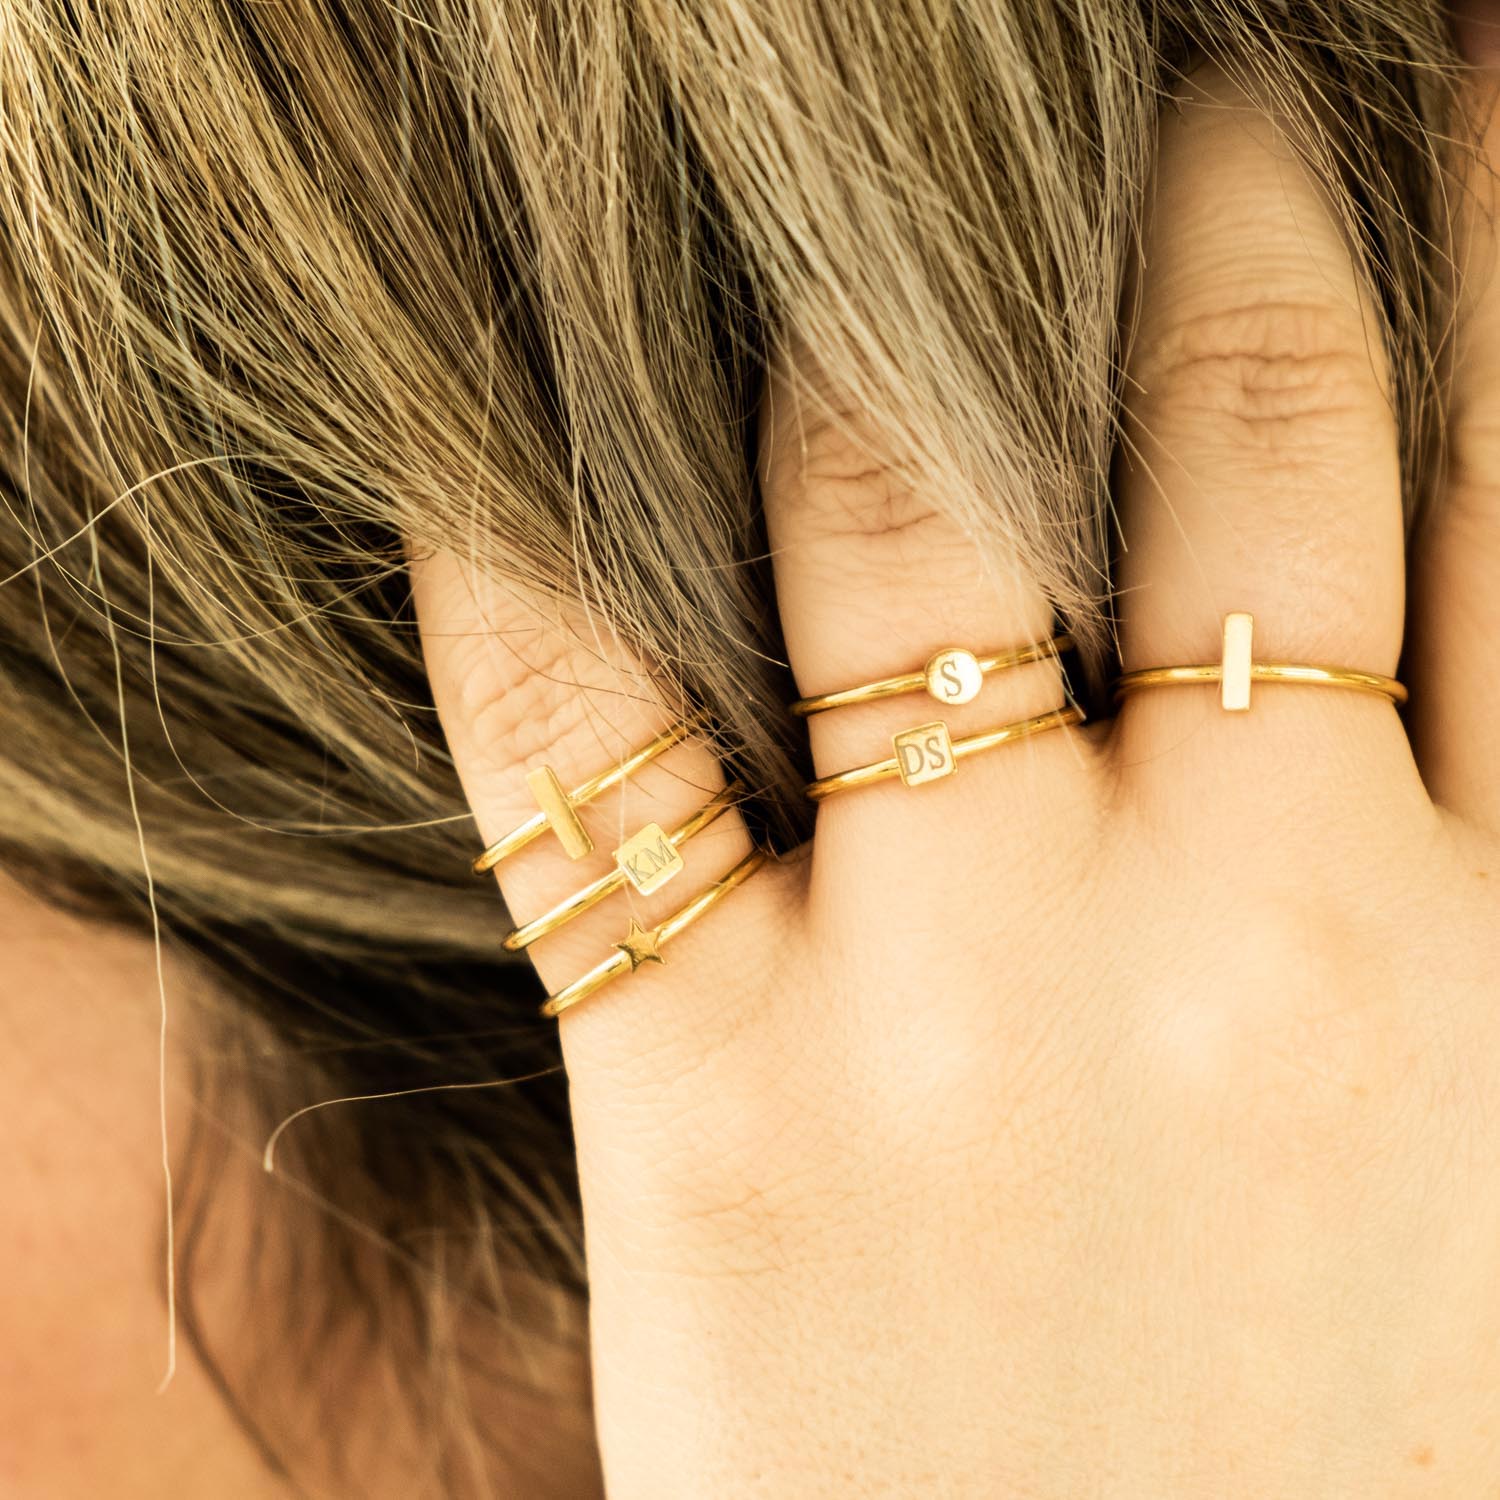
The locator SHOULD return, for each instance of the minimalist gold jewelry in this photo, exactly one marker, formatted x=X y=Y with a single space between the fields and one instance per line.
x=953 y=675
x=656 y=858
x=1238 y=669
x=559 y=807
x=641 y=945
x=929 y=753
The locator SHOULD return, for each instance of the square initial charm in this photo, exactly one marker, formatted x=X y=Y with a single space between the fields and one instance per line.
x=649 y=859
x=924 y=753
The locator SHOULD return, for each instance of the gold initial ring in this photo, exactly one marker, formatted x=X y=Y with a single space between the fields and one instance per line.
x=953 y=675
x=639 y=946
x=606 y=885
x=928 y=753
x=1237 y=670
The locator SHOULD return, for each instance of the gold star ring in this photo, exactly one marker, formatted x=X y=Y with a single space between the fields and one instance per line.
x=641 y=945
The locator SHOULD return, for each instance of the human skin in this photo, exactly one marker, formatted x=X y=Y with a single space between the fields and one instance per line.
x=1118 y=1116
x=83 y=1323
x=82 y=1345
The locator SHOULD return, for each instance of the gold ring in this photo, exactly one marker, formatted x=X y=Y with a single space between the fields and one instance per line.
x=606 y=885
x=928 y=752
x=953 y=675
x=639 y=946
x=1237 y=670
x=558 y=808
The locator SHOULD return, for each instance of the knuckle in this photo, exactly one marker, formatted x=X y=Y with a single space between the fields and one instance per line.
x=870 y=501
x=851 y=492
x=514 y=709
x=1282 y=377
x=843 y=489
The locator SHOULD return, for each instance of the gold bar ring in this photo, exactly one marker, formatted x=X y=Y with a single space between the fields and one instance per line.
x=953 y=675
x=1237 y=670
x=606 y=885
x=558 y=807
x=929 y=753
x=640 y=945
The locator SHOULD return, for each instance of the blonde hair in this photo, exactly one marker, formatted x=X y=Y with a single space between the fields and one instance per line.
x=288 y=284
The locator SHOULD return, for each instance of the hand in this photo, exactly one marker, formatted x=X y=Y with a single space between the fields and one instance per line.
x=1118 y=1115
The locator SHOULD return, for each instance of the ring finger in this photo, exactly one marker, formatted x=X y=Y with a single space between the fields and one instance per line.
x=874 y=575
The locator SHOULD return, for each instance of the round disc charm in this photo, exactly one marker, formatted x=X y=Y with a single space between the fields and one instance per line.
x=953 y=675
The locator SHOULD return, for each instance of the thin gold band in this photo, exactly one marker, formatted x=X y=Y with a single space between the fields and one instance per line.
x=640 y=947
x=1265 y=671
x=883 y=770
x=606 y=885
x=912 y=682
x=1237 y=669
x=539 y=822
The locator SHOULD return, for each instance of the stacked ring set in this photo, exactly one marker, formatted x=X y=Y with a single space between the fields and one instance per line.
x=922 y=754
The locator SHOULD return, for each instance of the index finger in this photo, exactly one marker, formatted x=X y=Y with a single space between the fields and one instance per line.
x=536 y=704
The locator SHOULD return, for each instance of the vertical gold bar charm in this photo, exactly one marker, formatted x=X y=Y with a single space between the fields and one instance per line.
x=1234 y=678
x=558 y=807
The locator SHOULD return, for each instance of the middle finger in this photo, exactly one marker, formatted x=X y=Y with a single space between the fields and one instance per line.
x=1262 y=471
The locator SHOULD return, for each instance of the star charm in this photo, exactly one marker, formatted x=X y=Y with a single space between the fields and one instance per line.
x=640 y=946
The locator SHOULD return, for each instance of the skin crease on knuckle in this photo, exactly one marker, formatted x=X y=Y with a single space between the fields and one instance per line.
x=860 y=519
x=1285 y=383
x=525 y=698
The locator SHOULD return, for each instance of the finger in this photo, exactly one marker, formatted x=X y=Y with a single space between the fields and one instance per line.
x=1261 y=467
x=1456 y=554
x=518 y=688
x=873 y=577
